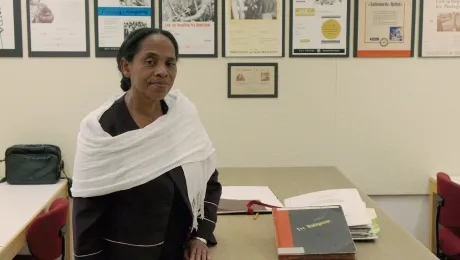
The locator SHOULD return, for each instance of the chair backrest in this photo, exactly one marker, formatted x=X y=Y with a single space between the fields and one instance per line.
x=44 y=236
x=450 y=192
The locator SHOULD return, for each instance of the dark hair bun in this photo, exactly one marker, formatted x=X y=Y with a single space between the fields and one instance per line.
x=125 y=83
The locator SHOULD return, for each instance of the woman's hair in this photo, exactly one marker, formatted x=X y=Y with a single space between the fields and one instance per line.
x=130 y=47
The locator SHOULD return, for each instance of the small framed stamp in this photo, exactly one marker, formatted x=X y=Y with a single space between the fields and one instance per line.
x=252 y=80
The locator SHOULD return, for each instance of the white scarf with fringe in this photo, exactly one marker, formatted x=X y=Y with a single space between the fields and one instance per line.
x=105 y=164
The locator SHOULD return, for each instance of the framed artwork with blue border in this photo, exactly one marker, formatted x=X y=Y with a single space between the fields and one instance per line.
x=113 y=22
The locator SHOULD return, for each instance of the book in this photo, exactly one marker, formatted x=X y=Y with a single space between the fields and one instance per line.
x=313 y=233
x=360 y=220
x=247 y=199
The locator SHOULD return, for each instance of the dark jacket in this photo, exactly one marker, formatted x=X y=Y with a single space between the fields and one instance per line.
x=151 y=221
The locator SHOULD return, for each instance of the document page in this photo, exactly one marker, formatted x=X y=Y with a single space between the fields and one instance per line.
x=235 y=198
x=354 y=208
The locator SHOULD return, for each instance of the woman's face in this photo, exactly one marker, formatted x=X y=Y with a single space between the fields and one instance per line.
x=153 y=69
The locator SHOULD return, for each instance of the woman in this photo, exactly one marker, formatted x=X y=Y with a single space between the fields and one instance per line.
x=145 y=185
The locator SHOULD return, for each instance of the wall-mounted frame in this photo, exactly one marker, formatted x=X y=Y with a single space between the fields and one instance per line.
x=10 y=29
x=252 y=30
x=113 y=22
x=252 y=80
x=193 y=23
x=384 y=28
x=319 y=28
x=439 y=29
x=57 y=28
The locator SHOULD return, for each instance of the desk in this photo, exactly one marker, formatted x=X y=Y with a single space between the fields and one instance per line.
x=19 y=205
x=433 y=189
x=241 y=237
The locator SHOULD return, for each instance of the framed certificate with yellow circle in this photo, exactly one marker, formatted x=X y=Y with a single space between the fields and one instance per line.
x=319 y=28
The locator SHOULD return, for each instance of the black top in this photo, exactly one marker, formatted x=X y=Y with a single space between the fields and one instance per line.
x=151 y=221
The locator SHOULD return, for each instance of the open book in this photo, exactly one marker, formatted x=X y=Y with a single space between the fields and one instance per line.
x=359 y=218
x=235 y=199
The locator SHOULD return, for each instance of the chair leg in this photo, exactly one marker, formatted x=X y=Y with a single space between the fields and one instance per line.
x=439 y=204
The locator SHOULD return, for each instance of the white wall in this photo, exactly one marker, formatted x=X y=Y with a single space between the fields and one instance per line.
x=388 y=124
x=411 y=212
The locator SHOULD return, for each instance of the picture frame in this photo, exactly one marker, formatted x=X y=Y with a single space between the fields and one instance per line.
x=252 y=80
x=400 y=39
x=56 y=53
x=143 y=15
x=336 y=23
x=178 y=19
x=434 y=36
x=260 y=35
x=12 y=49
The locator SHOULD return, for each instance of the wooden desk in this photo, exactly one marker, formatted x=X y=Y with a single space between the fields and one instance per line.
x=241 y=237
x=433 y=189
x=19 y=205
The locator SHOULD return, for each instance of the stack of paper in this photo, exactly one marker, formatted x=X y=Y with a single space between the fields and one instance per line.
x=235 y=199
x=356 y=213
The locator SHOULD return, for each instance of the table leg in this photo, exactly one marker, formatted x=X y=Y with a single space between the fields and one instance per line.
x=433 y=190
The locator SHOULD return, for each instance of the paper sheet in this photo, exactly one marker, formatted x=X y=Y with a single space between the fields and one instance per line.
x=354 y=208
x=245 y=194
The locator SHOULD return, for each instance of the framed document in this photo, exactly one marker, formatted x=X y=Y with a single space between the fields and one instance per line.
x=10 y=29
x=384 y=28
x=439 y=34
x=115 y=19
x=252 y=80
x=319 y=28
x=193 y=23
x=58 y=28
x=253 y=28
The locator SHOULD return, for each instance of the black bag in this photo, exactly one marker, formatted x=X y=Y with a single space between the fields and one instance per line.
x=32 y=164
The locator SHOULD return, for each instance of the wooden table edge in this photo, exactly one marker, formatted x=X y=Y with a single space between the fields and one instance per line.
x=18 y=242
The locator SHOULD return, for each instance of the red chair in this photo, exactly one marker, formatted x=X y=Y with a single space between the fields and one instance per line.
x=46 y=234
x=448 y=217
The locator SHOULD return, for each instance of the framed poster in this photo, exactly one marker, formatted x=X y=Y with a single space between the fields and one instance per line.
x=319 y=28
x=384 y=28
x=58 y=28
x=193 y=23
x=252 y=80
x=439 y=34
x=253 y=28
x=115 y=19
x=10 y=29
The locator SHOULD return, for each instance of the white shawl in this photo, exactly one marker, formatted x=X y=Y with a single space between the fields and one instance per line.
x=105 y=164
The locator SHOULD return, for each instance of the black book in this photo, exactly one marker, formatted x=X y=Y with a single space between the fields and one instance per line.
x=313 y=233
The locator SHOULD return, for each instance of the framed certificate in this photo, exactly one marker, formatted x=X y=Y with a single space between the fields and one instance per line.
x=319 y=28
x=439 y=34
x=252 y=80
x=253 y=28
x=58 y=28
x=10 y=29
x=193 y=23
x=115 y=19
x=384 y=28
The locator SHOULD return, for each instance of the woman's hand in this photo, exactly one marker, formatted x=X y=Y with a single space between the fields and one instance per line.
x=196 y=250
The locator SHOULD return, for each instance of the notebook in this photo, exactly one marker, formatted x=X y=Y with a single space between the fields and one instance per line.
x=235 y=199
x=360 y=220
x=313 y=233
